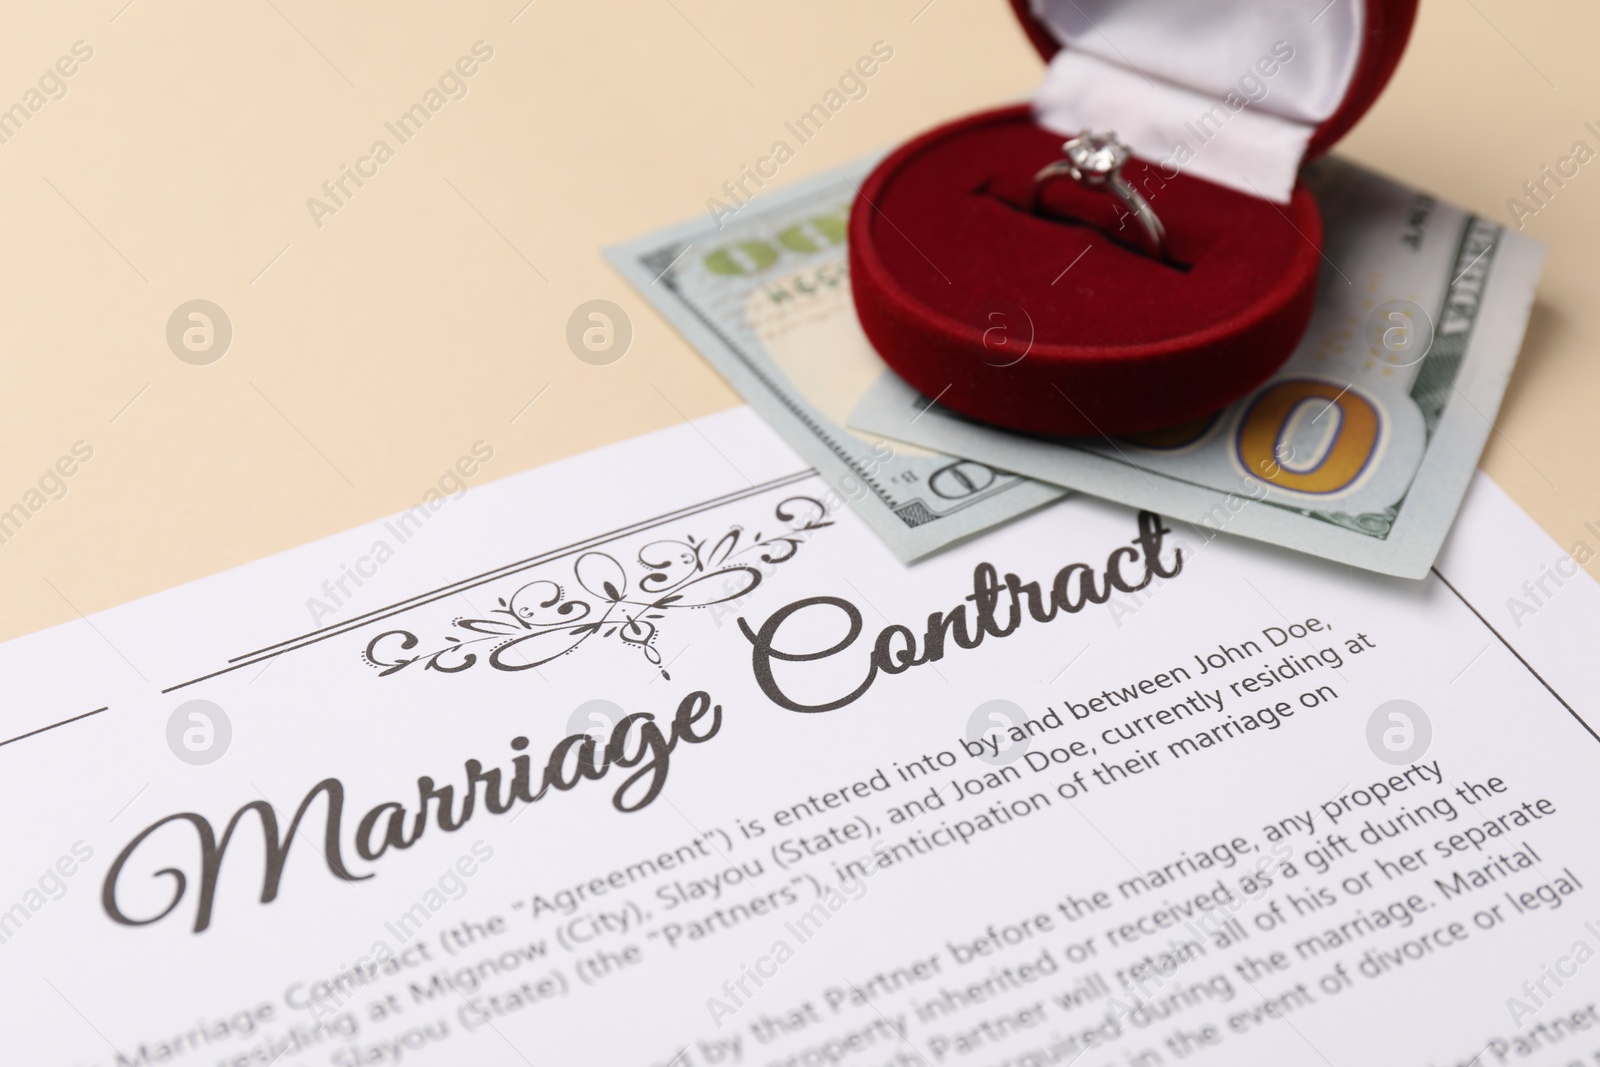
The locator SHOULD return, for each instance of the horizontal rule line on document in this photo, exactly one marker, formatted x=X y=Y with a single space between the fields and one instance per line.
x=1570 y=710
x=52 y=726
x=418 y=600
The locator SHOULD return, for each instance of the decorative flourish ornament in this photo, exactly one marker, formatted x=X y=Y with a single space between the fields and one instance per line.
x=545 y=619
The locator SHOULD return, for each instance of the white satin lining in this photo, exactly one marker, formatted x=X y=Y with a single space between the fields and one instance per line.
x=1181 y=81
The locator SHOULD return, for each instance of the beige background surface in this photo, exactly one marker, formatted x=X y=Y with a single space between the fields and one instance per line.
x=372 y=351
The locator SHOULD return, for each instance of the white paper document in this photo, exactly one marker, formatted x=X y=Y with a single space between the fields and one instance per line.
x=658 y=756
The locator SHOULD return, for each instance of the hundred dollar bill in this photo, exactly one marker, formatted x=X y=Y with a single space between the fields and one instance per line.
x=765 y=296
x=1361 y=447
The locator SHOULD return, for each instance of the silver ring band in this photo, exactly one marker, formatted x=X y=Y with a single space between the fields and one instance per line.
x=1095 y=161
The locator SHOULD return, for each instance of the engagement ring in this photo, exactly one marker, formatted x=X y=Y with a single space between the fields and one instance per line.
x=1095 y=161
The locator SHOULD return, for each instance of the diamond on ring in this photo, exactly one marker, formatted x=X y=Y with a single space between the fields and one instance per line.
x=1095 y=157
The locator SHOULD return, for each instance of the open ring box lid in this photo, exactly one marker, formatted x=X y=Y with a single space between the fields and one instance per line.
x=1059 y=325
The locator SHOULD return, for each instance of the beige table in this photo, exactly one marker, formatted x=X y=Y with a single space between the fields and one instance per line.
x=374 y=344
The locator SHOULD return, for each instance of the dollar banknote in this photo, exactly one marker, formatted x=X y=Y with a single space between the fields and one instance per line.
x=1361 y=447
x=764 y=293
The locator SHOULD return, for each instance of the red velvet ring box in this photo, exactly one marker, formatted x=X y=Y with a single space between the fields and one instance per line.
x=1054 y=322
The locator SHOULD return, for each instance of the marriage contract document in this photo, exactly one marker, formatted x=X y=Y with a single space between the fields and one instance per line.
x=658 y=756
